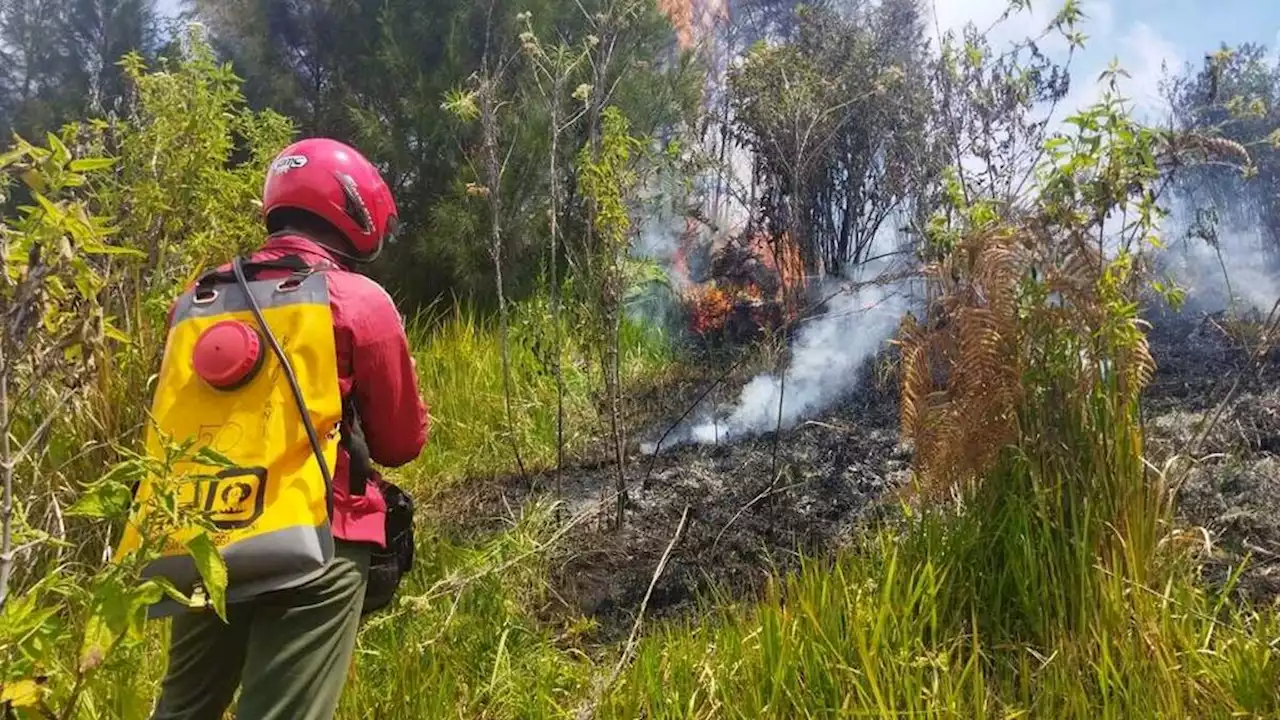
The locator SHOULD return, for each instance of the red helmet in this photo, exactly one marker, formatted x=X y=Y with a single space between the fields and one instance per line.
x=333 y=181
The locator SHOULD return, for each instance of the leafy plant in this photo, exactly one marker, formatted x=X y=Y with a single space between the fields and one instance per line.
x=67 y=619
x=608 y=176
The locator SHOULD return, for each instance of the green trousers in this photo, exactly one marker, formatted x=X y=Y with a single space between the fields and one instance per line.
x=289 y=650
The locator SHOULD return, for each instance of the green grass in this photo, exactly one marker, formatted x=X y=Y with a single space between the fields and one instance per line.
x=464 y=641
x=875 y=634
x=994 y=610
x=460 y=373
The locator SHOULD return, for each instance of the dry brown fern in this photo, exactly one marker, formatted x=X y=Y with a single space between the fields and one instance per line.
x=963 y=365
x=1206 y=147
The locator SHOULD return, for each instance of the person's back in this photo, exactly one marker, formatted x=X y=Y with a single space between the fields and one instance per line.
x=327 y=209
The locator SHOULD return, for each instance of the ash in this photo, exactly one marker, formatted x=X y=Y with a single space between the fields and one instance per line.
x=836 y=474
x=1233 y=489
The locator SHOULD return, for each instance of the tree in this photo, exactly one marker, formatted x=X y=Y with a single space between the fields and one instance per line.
x=61 y=58
x=607 y=171
x=552 y=69
x=987 y=123
x=838 y=120
x=1234 y=96
x=374 y=72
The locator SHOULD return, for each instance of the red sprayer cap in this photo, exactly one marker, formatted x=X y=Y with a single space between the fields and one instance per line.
x=228 y=354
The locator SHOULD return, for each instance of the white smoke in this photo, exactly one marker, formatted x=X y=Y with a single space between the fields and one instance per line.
x=1233 y=270
x=827 y=356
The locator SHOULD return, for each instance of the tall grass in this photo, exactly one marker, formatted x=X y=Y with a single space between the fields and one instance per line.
x=876 y=634
x=1057 y=588
x=460 y=373
x=466 y=642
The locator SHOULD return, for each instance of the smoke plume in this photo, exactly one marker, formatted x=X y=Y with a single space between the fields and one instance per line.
x=1222 y=260
x=829 y=351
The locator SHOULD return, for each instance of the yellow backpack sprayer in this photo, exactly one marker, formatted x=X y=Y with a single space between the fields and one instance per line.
x=250 y=371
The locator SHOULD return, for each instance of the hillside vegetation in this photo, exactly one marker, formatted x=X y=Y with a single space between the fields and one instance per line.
x=1029 y=559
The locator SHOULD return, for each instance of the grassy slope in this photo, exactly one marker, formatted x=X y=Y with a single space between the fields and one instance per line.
x=896 y=629
x=876 y=633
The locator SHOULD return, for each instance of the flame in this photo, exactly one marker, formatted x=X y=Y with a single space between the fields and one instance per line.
x=711 y=308
x=694 y=19
x=712 y=304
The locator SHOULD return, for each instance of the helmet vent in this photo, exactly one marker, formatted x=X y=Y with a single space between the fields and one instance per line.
x=355 y=207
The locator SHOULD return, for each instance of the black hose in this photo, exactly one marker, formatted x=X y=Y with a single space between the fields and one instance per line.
x=312 y=435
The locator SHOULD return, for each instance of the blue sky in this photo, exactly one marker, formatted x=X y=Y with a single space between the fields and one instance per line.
x=1141 y=34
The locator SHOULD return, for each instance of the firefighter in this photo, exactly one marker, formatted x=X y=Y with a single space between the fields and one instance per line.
x=327 y=210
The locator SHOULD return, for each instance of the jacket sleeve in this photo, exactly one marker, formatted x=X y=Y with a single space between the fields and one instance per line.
x=392 y=411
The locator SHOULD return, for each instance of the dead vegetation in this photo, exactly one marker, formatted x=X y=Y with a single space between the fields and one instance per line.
x=839 y=475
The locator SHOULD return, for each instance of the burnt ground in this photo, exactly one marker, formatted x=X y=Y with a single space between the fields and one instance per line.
x=1232 y=489
x=836 y=473
x=743 y=521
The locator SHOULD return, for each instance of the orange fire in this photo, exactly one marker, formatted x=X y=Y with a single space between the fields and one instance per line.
x=737 y=288
x=693 y=19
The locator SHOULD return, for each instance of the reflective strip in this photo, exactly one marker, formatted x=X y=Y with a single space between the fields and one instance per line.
x=314 y=290
x=277 y=560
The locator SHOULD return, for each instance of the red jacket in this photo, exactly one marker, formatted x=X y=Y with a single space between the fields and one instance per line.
x=374 y=363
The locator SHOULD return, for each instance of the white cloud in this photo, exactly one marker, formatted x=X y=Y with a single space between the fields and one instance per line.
x=1100 y=19
x=1152 y=53
x=1144 y=54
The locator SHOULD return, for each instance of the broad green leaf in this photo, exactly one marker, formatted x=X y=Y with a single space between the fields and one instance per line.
x=209 y=456
x=11 y=157
x=168 y=588
x=105 y=249
x=52 y=211
x=213 y=571
x=98 y=638
x=60 y=153
x=22 y=694
x=111 y=331
x=128 y=472
x=91 y=164
x=34 y=180
x=103 y=500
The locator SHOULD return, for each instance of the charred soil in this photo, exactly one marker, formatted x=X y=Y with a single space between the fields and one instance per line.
x=1218 y=400
x=751 y=515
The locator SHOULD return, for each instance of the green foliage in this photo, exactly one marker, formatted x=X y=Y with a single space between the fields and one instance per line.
x=191 y=161
x=838 y=118
x=77 y=627
x=62 y=621
x=872 y=635
x=183 y=193
x=608 y=178
x=987 y=108
x=469 y=619
x=460 y=374
x=1063 y=501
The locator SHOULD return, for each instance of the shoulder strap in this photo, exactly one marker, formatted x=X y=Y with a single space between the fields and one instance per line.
x=252 y=269
x=241 y=279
